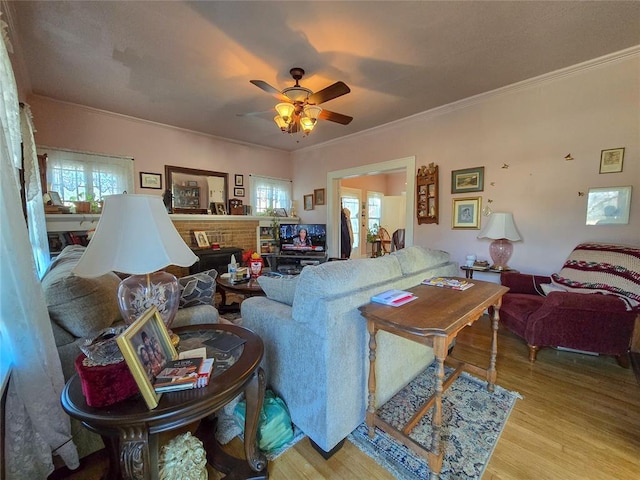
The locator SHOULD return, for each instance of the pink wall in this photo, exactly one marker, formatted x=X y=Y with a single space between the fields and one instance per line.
x=530 y=128
x=152 y=145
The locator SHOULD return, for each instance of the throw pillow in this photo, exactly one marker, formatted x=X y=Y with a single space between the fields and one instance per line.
x=279 y=289
x=603 y=268
x=198 y=289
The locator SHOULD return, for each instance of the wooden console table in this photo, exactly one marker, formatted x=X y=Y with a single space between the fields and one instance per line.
x=434 y=319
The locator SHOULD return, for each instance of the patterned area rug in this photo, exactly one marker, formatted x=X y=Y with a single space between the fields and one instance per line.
x=473 y=420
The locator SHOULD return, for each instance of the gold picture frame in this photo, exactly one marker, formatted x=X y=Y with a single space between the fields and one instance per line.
x=146 y=333
x=318 y=196
x=201 y=238
x=466 y=213
x=308 y=202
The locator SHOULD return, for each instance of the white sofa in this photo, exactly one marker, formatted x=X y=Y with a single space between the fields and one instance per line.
x=316 y=341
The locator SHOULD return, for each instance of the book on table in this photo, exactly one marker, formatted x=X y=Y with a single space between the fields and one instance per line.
x=394 y=298
x=180 y=374
x=448 y=282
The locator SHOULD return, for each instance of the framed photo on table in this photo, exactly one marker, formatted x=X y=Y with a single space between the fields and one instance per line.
x=466 y=212
x=201 y=239
x=146 y=347
x=467 y=180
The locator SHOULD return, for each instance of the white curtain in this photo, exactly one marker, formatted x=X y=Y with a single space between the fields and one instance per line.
x=33 y=191
x=36 y=426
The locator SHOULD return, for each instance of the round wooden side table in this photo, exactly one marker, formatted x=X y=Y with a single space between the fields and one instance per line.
x=130 y=430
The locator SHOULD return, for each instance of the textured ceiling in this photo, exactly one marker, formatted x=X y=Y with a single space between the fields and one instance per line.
x=189 y=64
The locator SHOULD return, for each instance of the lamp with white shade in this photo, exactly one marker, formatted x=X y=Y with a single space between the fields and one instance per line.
x=502 y=230
x=136 y=236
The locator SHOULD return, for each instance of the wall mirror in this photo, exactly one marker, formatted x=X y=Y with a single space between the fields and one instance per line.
x=193 y=190
x=610 y=205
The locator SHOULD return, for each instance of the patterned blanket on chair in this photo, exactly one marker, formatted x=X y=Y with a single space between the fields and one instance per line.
x=603 y=268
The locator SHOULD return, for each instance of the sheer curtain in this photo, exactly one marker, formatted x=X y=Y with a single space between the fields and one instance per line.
x=36 y=426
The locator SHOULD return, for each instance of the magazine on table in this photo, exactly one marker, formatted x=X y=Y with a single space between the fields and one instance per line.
x=394 y=298
x=447 y=282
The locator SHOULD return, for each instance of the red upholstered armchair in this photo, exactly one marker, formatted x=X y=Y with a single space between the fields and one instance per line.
x=588 y=320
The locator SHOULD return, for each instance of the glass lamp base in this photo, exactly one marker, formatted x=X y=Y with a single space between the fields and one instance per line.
x=138 y=293
x=500 y=251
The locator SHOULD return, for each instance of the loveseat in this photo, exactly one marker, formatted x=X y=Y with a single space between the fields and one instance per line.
x=79 y=308
x=590 y=305
x=316 y=341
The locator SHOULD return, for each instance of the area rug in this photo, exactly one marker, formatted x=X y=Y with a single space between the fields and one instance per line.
x=472 y=421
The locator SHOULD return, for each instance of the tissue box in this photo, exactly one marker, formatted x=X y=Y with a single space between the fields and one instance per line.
x=104 y=385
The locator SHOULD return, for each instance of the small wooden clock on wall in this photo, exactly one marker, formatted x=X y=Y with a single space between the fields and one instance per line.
x=427 y=194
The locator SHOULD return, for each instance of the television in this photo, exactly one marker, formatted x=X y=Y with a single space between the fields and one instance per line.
x=303 y=238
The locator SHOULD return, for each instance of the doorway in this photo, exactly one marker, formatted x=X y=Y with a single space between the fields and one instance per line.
x=407 y=164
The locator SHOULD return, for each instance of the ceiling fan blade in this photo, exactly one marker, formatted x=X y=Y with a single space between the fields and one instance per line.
x=335 y=117
x=272 y=90
x=332 y=91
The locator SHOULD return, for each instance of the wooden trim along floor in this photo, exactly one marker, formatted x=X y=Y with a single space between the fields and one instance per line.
x=578 y=420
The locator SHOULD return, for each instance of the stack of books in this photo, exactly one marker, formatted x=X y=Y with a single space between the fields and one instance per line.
x=191 y=370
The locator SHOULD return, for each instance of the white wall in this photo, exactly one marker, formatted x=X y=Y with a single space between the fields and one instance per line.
x=529 y=127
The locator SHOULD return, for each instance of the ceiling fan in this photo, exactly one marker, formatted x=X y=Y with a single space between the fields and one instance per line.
x=299 y=110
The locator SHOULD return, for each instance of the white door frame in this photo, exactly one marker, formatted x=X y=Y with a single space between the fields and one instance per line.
x=333 y=196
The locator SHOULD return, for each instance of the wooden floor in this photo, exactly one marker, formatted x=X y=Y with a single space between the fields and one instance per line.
x=579 y=419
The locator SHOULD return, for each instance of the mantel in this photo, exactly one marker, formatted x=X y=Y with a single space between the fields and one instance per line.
x=71 y=222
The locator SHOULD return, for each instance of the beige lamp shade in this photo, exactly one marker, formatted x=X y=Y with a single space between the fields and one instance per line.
x=500 y=225
x=136 y=236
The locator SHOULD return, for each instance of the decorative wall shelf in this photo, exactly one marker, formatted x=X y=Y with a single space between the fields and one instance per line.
x=427 y=194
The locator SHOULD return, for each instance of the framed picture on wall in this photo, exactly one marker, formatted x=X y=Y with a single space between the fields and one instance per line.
x=308 y=202
x=150 y=180
x=238 y=192
x=466 y=212
x=239 y=180
x=611 y=160
x=318 y=196
x=467 y=180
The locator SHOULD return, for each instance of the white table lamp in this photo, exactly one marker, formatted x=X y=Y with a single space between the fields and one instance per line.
x=502 y=230
x=136 y=236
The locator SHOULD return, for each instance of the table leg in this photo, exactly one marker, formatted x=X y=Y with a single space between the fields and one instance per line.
x=254 y=395
x=371 y=407
x=134 y=454
x=492 y=372
x=436 y=455
x=112 y=447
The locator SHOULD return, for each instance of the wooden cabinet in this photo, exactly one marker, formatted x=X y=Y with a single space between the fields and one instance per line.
x=186 y=197
x=427 y=194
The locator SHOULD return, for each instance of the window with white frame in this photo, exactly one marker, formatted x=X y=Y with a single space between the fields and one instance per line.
x=267 y=192
x=374 y=210
x=86 y=176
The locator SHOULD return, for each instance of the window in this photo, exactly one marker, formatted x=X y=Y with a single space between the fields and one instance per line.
x=83 y=176
x=269 y=192
x=374 y=210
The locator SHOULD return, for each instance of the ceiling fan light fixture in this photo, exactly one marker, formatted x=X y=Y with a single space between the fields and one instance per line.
x=285 y=110
x=307 y=124
x=313 y=112
x=282 y=125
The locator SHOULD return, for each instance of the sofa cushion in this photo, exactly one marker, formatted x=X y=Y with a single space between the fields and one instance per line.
x=602 y=268
x=414 y=259
x=70 y=297
x=279 y=289
x=198 y=289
